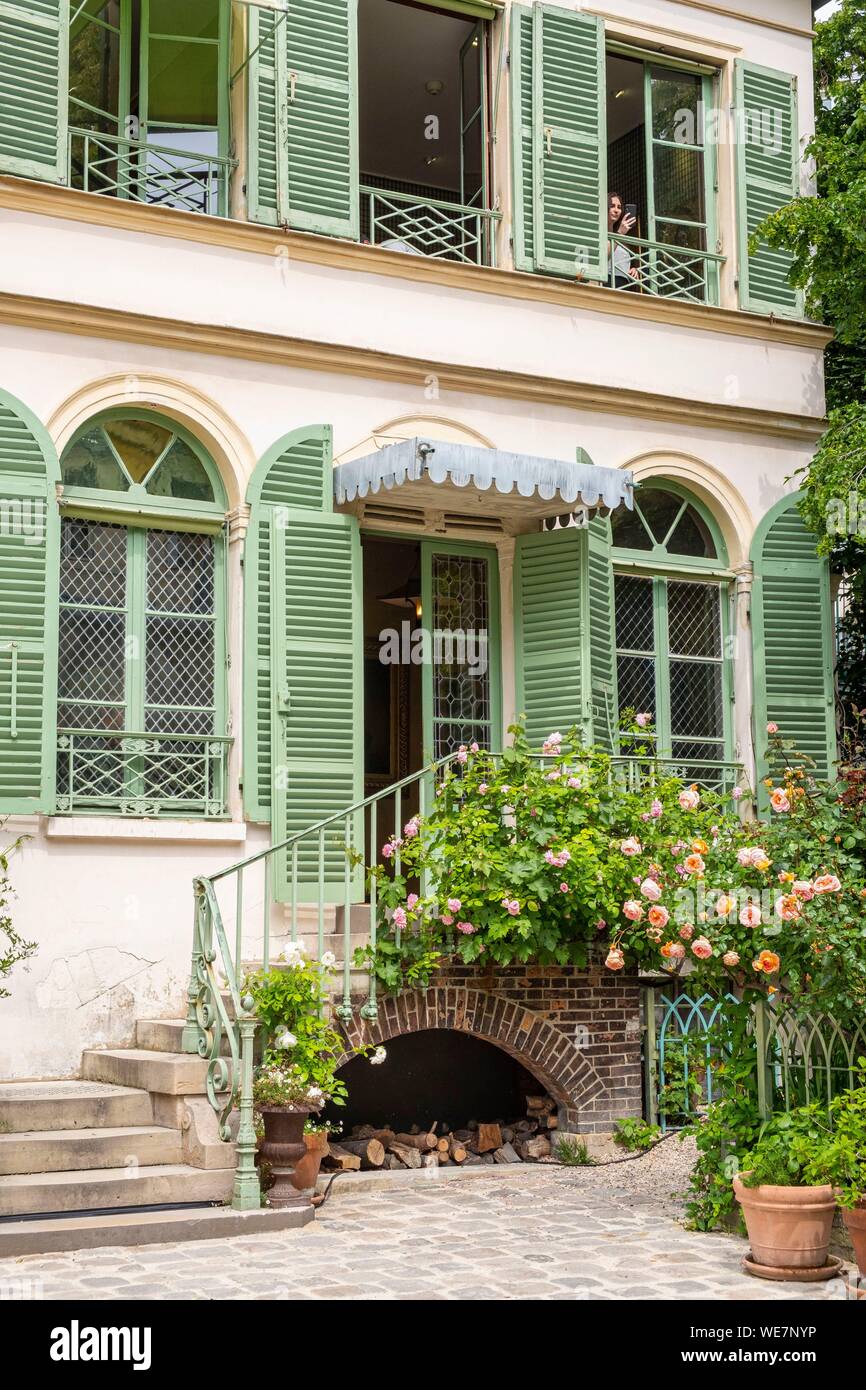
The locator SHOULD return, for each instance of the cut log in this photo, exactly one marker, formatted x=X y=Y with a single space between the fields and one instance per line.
x=418 y=1141
x=537 y=1104
x=345 y=1161
x=553 y=1122
x=370 y=1151
x=363 y=1132
x=385 y=1136
x=443 y=1145
x=506 y=1154
x=525 y=1127
x=471 y=1159
x=507 y=1134
x=535 y=1148
x=456 y=1150
x=489 y=1138
x=464 y=1135
x=408 y=1155
x=393 y=1162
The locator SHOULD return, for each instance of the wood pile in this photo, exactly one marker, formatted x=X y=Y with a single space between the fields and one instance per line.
x=526 y=1140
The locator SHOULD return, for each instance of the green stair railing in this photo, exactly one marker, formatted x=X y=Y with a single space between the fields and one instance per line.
x=220 y=1024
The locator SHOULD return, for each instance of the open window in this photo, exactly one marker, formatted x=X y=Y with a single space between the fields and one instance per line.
x=660 y=180
x=423 y=130
x=148 y=101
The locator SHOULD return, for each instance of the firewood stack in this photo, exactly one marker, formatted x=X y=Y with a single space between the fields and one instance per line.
x=526 y=1140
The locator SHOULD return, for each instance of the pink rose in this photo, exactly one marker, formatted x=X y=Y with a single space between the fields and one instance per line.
x=674 y=951
x=687 y=931
x=412 y=901
x=387 y=851
x=689 y=799
x=615 y=959
x=730 y=958
x=750 y=916
x=656 y=809
x=454 y=904
x=399 y=918
x=736 y=794
x=574 y=783
x=631 y=846
x=512 y=906
x=446 y=919
x=642 y=720
x=410 y=829
x=702 y=948
x=466 y=928
x=563 y=887
x=803 y=889
x=827 y=883
x=482 y=787
x=650 y=889
x=772 y=728
x=633 y=910
x=551 y=744
x=473 y=748
x=462 y=755
x=658 y=916
x=779 y=801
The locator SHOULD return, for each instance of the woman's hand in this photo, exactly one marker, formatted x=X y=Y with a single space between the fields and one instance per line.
x=626 y=224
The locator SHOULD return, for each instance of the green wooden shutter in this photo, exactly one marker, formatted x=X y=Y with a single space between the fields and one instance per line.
x=793 y=640
x=521 y=137
x=29 y=552
x=303 y=759
x=34 y=48
x=603 y=705
x=569 y=143
x=768 y=177
x=266 y=118
x=548 y=607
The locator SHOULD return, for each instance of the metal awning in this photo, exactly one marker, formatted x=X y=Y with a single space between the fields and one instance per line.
x=417 y=463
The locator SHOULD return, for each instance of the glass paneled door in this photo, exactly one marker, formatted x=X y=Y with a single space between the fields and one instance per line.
x=460 y=620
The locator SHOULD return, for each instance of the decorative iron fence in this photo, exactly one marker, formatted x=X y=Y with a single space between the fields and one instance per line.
x=430 y=226
x=799 y=1057
x=659 y=268
x=141 y=774
x=147 y=173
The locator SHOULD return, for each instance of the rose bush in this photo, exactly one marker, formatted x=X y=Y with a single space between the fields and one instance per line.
x=544 y=859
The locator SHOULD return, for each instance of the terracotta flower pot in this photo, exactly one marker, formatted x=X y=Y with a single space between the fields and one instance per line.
x=855 y=1222
x=282 y=1149
x=789 y=1227
x=307 y=1168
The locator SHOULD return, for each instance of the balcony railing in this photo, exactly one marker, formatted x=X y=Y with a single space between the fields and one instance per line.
x=671 y=272
x=131 y=774
x=430 y=226
x=146 y=173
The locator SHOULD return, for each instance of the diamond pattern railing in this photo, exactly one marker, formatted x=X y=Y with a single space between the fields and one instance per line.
x=431 y=226
x=141 y=774
x=670 y=272
x=146 y=173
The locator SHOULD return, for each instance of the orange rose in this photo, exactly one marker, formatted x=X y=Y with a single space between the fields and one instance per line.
x=767 y=963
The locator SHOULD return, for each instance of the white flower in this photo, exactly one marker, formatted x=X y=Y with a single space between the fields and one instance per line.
x=378 y=1057
x=286 y=1039
x=329 y=960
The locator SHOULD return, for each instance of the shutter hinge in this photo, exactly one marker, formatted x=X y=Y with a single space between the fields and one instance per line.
x=508 y=58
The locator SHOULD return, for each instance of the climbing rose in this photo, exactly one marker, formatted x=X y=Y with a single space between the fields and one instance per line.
x=694 y=864
x=399 y=918
x=803 y=888
x=689 y=799
x=563 y=887
x=768 y=962
x=750 y=916
x=466 y=928
x=687 y=931
x=788 y=907
x=462 y=755
x=658 y=916
x=656 y=809
x=412 y=901
x=730 y=958
x=378 y=1057
x=329 y=960
x=387 y=851
x=779 y=801
x=772 y=728
x=650 y=889
x=285 y=1039
x=473 y=748
x=725 y=904
x=454 y=904
x=642 y=720
x=512 y=906
x=446 y=919
x=551 y=744
x=702 y=948
x=410 y=829
x=673 y=950
x=736 y=794
x=827 y=883
x=633 y=910
x=559 y=860
x=615 y=959
x=574 y=783
x=482 y=787
x=631 y=846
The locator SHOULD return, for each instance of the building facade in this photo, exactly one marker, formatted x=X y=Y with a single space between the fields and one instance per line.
x=309 y=320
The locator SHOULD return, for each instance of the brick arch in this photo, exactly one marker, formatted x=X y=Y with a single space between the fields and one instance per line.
x=546 y=1051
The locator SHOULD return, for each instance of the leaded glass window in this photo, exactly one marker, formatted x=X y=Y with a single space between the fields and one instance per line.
x=460 y=623
x=670 y=626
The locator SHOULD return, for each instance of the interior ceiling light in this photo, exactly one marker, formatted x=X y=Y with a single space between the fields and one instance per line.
x=434 y=86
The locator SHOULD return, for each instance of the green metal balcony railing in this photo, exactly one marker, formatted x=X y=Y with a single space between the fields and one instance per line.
x=670 y=272
x=430 y=226
x=142 y=172
x=220 y=1024
x=134 y=774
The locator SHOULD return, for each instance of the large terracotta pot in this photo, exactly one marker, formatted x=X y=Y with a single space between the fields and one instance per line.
x=855 y=1221
x=307 y=1168
x=789 y=1227
x=282 y=1149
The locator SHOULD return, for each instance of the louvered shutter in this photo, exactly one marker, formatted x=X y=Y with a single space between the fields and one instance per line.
x=34 y=48
x=29 y=540
x=569 y=143
x=793 y=640
x=304 y=653
x=322 y=49
x=602 y=639
x=521 y=137
x=548 y=606
x=768 y=172
x=267 y=171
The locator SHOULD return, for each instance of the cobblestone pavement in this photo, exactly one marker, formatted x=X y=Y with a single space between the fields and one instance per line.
x=536 y=1235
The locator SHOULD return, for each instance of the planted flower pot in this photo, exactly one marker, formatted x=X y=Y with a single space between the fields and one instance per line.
x=855 y=1222
x=283 y=1148
x=307 y=1168
x=789 y=1227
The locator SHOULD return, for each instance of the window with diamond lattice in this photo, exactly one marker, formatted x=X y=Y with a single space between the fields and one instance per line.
x=670 y=627
x=141 y=638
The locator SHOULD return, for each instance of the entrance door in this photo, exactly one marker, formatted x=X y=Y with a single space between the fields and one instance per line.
x=460 y=617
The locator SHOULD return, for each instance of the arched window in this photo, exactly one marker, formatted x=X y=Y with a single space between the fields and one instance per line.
x=671 y=602
x=142 y=648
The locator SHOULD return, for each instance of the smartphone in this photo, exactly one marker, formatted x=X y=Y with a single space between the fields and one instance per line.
x=630 y=210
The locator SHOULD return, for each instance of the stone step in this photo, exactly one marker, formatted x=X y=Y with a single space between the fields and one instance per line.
x=166 y=1035
x=170 y=1073
x=37 y=1237
x=62 y=1150
x=91 y=1189
x=32 y=1106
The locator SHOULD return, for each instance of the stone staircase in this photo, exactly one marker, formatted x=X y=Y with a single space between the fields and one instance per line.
x=128 y=1154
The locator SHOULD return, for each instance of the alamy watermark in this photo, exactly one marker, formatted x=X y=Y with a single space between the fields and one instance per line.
x=23 y=517
x=416 y=646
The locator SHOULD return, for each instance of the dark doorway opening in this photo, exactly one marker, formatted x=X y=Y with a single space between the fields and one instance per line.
x=435 y=1076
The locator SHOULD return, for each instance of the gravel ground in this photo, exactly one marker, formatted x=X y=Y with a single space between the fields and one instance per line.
x=661 y=1175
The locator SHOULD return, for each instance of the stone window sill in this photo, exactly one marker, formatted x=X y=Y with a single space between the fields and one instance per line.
x=142 y=830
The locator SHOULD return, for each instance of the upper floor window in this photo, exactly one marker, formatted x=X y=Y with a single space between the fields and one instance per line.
x=671 y=623
x=148 y=101
x=141 y=677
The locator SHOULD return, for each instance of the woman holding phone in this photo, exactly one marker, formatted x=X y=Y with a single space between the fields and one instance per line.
x=621 y=220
